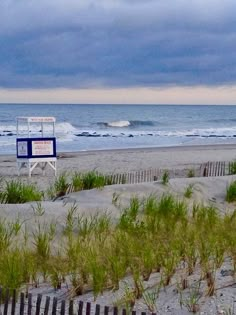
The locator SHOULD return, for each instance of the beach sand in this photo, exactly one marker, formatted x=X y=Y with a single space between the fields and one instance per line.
x=127 y=160
x=210 y=191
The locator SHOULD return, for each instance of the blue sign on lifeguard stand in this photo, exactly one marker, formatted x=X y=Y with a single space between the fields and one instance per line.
x=33 y=150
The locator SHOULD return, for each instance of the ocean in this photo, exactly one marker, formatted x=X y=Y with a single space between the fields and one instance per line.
x=97 y=127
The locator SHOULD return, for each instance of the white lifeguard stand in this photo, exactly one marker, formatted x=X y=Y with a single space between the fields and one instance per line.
x=33 y=151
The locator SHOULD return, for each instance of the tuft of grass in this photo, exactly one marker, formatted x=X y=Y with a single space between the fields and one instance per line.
x=61 y=185
x=231 y=192
x=11 y=264
x=165 y=178
x=192 y=302
x=232 y=168
x=77 y=181
x=150 y=299
x=166 y=205
x=188 y=191
x=93 y=180
x=17 y=192
x=191 y=173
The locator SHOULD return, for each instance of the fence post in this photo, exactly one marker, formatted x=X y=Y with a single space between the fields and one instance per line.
x=38 y=303
x=71 y=307
x=47 y=303
x=88 y=308
x=54 y=306
x=80 y=311
x=6 y=302
x=22 y=303
x=13 y=304
x=106 y=310
x=97 y=309
x=63 y=307
x=29 y=304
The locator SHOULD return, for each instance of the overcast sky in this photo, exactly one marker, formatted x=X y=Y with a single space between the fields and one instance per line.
x=106 y=46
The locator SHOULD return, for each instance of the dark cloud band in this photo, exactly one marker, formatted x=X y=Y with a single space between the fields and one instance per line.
x=117 y=44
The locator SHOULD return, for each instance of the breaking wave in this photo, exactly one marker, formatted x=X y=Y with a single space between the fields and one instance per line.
x=127 y=123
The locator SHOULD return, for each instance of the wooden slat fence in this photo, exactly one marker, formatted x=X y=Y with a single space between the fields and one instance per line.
x=141 y=176
x=26 y=304
x=218 y=168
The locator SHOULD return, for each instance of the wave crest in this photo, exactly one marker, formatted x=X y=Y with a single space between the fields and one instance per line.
x=127 y=123
x=119 y=123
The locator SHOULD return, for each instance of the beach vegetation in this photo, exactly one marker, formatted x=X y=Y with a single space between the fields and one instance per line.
x=232 y=168
x=188 y=191
x=192 y=301
x=160 y=235
x=77 y=181
x=127 y=301
x=150 y=299
x=191 y=173
x=15 y=192
x=59 y=187
x=92 y=180
x=165 y=178
x=231 y=192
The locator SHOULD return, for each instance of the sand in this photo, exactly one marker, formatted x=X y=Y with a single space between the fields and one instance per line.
x=206 y=190
x=127 y=160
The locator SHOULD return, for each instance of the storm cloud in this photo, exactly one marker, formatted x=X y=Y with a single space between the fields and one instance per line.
x=122 y=43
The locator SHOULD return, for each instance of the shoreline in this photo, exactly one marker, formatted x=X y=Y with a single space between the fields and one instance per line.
x=189 y=147
x=162 y=148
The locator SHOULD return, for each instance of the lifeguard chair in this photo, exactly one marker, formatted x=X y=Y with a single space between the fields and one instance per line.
x=32 y=150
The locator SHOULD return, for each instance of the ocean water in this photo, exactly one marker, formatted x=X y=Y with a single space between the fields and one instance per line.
x=96 y=127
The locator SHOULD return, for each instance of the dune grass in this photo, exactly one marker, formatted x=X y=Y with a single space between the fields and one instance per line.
x=231 y=192
x=15 y=191
x=188 y=191
x=95 y=253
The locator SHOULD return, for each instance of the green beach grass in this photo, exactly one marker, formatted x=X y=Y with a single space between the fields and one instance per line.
x=152 y=235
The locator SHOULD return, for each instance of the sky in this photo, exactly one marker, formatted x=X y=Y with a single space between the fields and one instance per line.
x=118 y=51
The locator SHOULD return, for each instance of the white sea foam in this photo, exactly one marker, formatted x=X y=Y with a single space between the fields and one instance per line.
x=119 y=123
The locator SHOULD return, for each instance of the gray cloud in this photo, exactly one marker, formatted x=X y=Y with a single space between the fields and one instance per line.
x=79 y=43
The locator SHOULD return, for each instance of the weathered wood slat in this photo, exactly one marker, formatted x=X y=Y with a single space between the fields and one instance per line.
x=29 y=304
x=47 y=303
x=88 y=308
x=6 y=302
x=38 y=304
x=63 y=307
x=97 y=309
x=54 y=306
x=13 y=303
x=71 y=307
x=106 y=310
x=80 y=310
x=22 y=303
